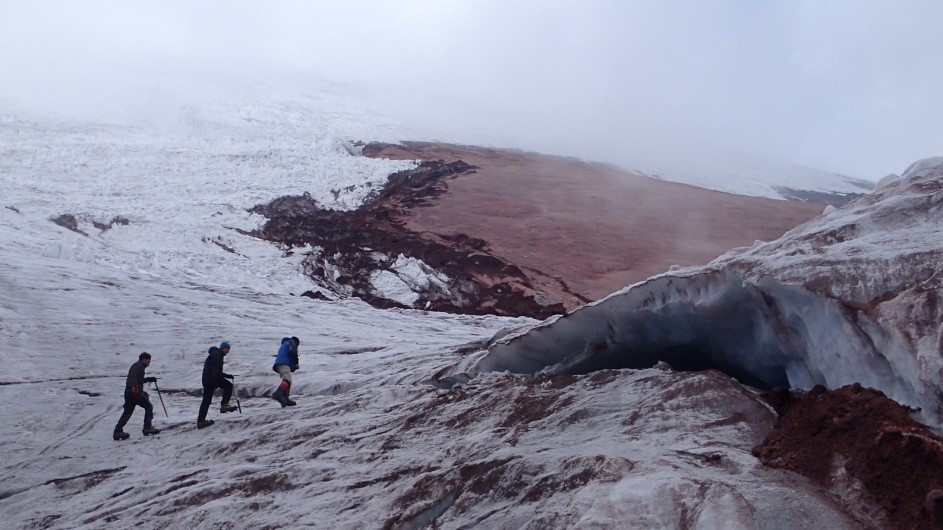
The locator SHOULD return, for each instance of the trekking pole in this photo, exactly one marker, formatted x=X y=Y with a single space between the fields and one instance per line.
x=161 y=399
x=238 y=405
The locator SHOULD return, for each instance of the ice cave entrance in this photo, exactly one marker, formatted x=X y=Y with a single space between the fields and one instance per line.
x=754 y=333
x=688 y=341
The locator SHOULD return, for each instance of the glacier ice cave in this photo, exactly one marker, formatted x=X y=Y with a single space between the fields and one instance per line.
x=765 y=335
x=849 y=297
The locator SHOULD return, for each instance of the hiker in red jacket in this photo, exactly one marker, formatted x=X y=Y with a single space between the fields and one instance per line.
x=135 y=396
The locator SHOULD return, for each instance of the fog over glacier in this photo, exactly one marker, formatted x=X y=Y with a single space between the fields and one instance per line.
x=843 y=87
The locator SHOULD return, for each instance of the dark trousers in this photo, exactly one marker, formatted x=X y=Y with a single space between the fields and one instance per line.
x=208 y=397
x=129 y=404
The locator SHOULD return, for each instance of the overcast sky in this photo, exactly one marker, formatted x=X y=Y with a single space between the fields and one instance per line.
x=852 y=86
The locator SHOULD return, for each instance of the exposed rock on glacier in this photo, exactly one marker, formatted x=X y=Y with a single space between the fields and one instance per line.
x=865 y=449
x=852 y=297
x=370 y=254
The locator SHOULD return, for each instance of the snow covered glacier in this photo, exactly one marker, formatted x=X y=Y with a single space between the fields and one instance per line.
x=852 y=296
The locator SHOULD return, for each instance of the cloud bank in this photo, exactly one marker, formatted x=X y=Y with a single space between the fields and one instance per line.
x=846 y=86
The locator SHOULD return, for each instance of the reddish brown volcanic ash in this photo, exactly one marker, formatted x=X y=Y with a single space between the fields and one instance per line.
x=863 y=447
x=593 y=227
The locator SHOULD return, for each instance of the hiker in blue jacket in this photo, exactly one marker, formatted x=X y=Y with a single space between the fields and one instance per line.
x=286 y=362
x=214 y=377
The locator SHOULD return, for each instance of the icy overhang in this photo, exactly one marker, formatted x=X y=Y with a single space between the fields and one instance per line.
x=763 y=333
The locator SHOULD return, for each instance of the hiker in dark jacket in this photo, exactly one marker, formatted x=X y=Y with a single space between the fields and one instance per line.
x=135 y=396
x=214 y=377
x=286 y=362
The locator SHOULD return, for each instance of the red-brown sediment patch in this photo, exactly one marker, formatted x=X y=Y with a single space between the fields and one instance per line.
x=594 y=227
x=516 y=234
x=864 y=448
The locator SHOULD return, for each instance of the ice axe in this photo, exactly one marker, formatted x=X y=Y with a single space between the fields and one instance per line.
x=161 y=398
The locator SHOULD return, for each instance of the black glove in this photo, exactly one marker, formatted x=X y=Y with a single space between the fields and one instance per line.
x=150 y=379
x=229 y=376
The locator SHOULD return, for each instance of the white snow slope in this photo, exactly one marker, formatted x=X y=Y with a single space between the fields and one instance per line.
x=751 y=175
x=370 y=445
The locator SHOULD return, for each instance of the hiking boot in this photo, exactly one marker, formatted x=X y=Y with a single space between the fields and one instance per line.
x=289 y=402
x=202 y=424
x=149 y=430
x=278 y=396
x=227 y=408
x=120 y=435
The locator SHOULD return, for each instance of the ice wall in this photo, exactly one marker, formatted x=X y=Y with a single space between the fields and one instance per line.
x=764 y=334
